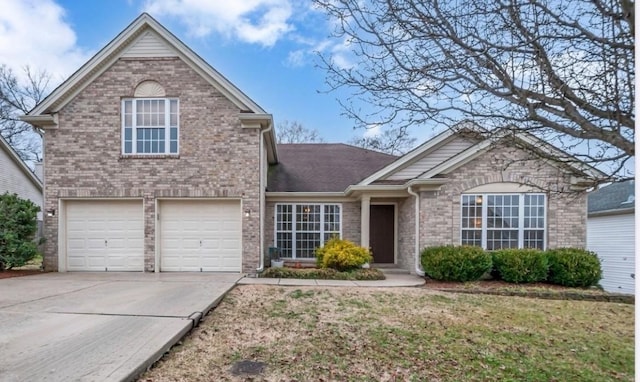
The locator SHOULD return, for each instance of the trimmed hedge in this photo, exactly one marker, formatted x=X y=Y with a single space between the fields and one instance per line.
x=574 y=267
x=455 y=263
x=521 y=265
x=342 y=255
x=322 y=274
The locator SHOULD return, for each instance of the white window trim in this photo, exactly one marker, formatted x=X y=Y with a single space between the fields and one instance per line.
x=134 y=127
x=521 y=228
x=293 y=225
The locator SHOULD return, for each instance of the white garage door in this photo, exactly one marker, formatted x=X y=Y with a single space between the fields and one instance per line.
x=200 y=236
x=613 y=239
x=105 y=235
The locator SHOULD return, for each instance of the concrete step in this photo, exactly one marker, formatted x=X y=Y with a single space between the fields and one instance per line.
x=392 y=270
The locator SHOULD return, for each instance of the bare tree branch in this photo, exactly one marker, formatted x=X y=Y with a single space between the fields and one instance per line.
x=18 y=98
x=391 y=141
x=295 y=132
x=562 y=70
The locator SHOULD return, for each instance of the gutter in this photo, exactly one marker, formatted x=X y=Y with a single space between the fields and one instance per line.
x=419 y=271
x=262 y=197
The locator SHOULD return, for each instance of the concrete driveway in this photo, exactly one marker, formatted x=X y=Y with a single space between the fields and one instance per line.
x=98 y=326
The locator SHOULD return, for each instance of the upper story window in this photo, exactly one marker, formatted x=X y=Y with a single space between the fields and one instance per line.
x=150 y=126
x=496 y=221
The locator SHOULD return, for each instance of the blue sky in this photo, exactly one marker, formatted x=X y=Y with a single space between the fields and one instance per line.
x=265 y=47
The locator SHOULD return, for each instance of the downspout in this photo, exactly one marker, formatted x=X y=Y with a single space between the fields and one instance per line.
x=419 y=271
x=262 y=198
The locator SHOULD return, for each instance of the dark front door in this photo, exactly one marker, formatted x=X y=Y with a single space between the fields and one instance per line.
x=382 y=233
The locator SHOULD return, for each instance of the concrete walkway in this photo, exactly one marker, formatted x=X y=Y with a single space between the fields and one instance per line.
x=392 y=280
x=98 y=326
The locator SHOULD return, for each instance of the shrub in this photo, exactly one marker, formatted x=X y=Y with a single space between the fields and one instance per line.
x=342 y=255
x=521 y=265
x=455 y=263
x=18 y=226
x=574 y=267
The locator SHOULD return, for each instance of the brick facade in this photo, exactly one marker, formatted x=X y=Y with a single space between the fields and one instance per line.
x=218 y=158
x=566 y=211
x=440 y=210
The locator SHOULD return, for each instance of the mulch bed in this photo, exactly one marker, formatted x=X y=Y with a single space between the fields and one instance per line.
x=535 y=290
x=18 y=273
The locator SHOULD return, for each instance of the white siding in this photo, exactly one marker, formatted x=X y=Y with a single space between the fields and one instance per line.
x=149 y=44
x=14 y=180
x=431 y=159
x=613 y=239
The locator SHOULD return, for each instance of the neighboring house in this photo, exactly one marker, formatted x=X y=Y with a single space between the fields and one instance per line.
x=156 y=162
x=17 y=178
x=611 y=234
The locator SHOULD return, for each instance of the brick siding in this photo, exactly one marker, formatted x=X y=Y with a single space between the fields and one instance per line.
x=218 y=158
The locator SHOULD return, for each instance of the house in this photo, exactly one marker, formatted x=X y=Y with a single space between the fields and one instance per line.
x=611 y=234
x=154 y=161
x=17 y=178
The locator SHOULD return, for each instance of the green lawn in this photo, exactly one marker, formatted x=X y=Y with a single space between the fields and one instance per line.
x=404 y=334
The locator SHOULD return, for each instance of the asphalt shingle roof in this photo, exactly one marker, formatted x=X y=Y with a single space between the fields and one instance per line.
x=612 y=197
x=323 y=167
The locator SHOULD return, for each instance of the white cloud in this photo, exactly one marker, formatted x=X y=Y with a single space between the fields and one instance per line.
x=261 y=22
x=34 y=33
x=372 y=131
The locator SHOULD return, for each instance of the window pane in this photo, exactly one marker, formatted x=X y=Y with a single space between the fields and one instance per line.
x=498 y=239
x=306 y=244
x=472 y=237
x=308 y=217
x=284 y=242
x=173 y=133
x=128 y=134
x=173 y=148
x=534 y=239
x=139 y=147
x=472 y=211
x=127 y=147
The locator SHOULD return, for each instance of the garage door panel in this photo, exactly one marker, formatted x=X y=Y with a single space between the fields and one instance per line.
x=105 y=235
x=196 y=235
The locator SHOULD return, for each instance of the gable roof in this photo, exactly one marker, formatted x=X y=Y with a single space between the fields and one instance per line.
x=13 y=155
x=323 y=167
x=615 y=197
x=468 y=153
x=142 y=38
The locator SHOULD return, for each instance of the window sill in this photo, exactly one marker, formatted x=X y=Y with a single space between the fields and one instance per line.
x=149 y=156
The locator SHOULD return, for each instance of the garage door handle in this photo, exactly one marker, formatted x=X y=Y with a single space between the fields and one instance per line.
x=105 y=243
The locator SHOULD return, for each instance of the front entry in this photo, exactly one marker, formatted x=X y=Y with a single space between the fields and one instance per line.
x=382 y=233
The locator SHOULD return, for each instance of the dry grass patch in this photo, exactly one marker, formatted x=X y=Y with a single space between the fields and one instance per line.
x=404 y=334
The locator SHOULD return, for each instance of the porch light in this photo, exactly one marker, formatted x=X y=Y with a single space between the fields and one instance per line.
x=247 y=213
x=51 y=212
